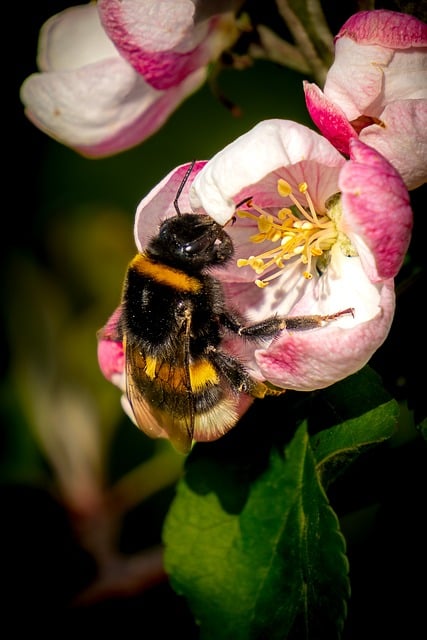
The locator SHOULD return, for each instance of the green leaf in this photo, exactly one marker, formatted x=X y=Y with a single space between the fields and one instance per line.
x=257 y=555
x=365 y=416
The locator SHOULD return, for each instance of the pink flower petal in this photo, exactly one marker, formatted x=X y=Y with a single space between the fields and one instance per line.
x=161 y=39
x=377 y=210
x=158 y=204
x=386 y=28
x=315 y=359
x=111 y=357
x=402 y=139
x=329 y=118
x=376 y=77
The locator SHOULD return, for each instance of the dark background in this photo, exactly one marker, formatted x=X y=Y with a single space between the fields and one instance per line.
x=68 y=229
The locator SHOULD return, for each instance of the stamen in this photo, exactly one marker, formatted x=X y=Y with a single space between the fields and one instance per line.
x=299 y=233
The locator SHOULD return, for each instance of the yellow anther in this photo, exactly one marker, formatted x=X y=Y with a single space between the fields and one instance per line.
x=303 y=187
x=307 y=275
x=257 y=264
x=242 y=262
x=258 y=237
x=261 y=283
x=284 y=188
x=284 y=213
x=265 y=223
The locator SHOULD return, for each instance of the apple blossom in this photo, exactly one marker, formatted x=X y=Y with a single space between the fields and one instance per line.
x=92 y=95
x=336 y=233
x=330 y=235
x=376 y=90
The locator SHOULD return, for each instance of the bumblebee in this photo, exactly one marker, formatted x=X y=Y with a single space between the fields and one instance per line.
x=179 y=381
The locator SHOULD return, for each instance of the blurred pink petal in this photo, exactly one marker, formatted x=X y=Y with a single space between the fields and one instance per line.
x=90 y=98
x=162 y=40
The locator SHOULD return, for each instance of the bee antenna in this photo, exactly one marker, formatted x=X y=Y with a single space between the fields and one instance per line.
x=181 y=186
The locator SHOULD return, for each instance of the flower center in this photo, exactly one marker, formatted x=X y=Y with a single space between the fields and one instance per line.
x=298 y=233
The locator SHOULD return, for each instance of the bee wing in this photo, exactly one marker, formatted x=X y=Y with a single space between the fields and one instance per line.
x=135 y=364
x=171 y=413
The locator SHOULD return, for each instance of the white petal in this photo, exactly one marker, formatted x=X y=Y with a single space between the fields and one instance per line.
x=257 y=155
x=357 y=91
x=58 y=37
x=102 y=108
x=403 y=139
x=310 y=360
x=84 y=106
x=344 y=284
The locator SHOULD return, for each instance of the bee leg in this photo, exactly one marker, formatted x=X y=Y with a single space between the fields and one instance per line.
x=236 y=375
x=271 y=326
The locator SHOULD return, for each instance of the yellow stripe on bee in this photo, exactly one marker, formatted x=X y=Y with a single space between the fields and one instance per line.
x=150 y=367
x=202 y=373
x=164 y=274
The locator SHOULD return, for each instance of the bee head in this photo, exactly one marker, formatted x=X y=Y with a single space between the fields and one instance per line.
x=191 y=241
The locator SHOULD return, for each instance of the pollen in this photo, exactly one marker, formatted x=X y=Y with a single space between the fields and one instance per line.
x=297 y=232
